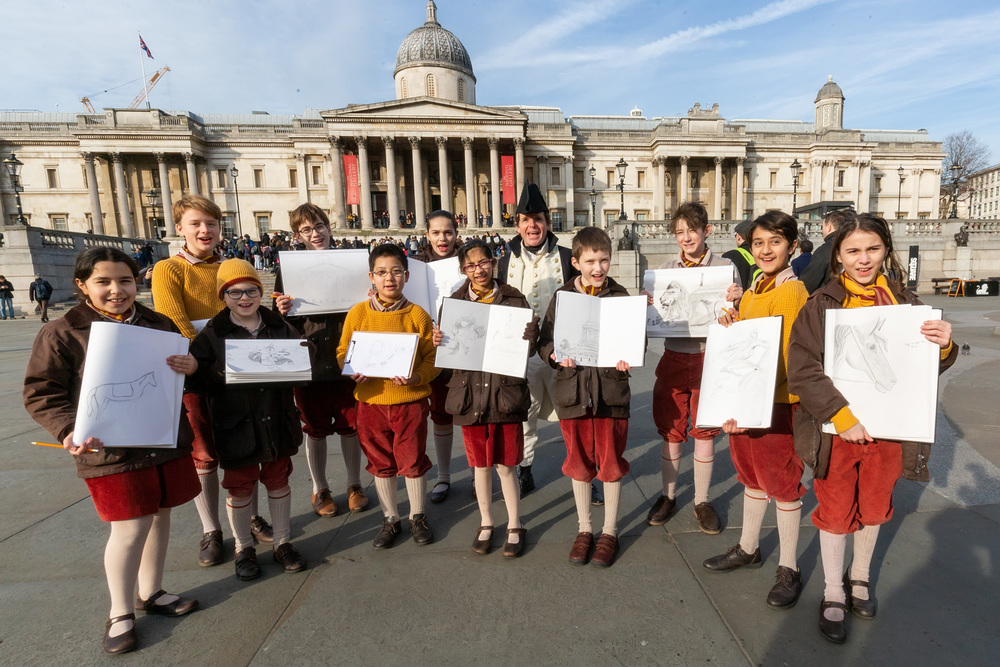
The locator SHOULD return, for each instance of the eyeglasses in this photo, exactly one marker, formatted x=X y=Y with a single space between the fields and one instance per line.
x=308 y=231
x=236 y=294
x=395 y=273
x=484 y=265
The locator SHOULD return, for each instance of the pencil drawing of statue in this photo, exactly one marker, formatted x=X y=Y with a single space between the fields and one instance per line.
x=583 y=350
x=677 y=307
x=864 y=349
x=128 y=393
x=462 y=337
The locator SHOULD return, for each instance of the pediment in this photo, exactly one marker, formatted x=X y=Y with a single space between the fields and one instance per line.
x=422 y=108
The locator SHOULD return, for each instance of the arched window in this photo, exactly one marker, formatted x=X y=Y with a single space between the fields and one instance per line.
x=431 y=90
x=402 y=87
x=461 y=90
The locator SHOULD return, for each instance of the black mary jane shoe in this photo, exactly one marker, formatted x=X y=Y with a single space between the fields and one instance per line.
x=481 y=546
x=178 y=607
x=865 y=609
x=124 y=642
x=834 y=631
x=438 y=497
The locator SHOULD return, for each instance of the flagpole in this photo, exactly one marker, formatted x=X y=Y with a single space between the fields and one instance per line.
x=142 y=64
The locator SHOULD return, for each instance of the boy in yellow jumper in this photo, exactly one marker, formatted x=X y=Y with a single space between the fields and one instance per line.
x=392 y=413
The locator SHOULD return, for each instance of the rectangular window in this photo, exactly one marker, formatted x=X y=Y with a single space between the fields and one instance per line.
x=640 y=177
x=774 y=179
x=317 y=175
x=263 y=222
x=581 y=219
x=221 y=178
x=612 y=179
x=642 y=215
x=50 y=177
x=878 y=184
x=228 y=225
x=840 y=178
x=58 y=222
x=293 y=178
x=610 y=217
x=557 y=218
x=86 y=183
x=578 y=179
x=258 y=177
x=374 y=170
x=556 y=176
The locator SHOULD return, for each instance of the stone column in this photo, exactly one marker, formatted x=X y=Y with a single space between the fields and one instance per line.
x=302 y=168
x=682 y=187
x=915 y=196
x=495 y=180
x=445 y=173
x=936 y=200
x=3 y=213
x=830 y=178
x=336 y=186
x=519 y=165
x=659 y=200
x=192 y=174
x=740 y=202
x=570 y=193
x=124 y=217
x=816 y=192
x=470 y=183
x=543 y=177
x=364 y=178
x=165 y=200
x=864 y=176
x=95 y=198
x=717 y=208
x=418 y=184
x=391 y=182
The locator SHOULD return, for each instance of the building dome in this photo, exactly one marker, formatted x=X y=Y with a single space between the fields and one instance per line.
x=829 y=91
x=430 y=45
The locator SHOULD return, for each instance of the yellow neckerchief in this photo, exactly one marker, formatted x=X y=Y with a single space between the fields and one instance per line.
x=688 y=263
x=124 y=317
x=186 y=255
x=590 y=290
x=765 y=284
x=481 y=296
x=381 y=306
x=859 y=296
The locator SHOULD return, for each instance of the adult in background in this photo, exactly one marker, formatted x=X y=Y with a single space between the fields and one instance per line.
x=40 y=291
x=6 y=298
x=817 y=273
x=805 y=255
x=741 y=256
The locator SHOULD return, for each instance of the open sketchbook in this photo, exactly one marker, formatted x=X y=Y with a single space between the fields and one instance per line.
x=482 y=337
x=686 y=301
x=885 y=368
x=324 y=281
x=129 y=397
x=381 y=355
x=267 y=361
x=600 y=332
x=739 y=373
x=430 y=283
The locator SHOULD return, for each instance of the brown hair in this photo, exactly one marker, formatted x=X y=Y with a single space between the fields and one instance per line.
x=309 y=212
x=869 y=222
x=777 y=222
x=691 y=212
x=591 y=238
x=198 y=203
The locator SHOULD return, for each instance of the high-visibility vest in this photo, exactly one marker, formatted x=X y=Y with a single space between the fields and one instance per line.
x=753 y=265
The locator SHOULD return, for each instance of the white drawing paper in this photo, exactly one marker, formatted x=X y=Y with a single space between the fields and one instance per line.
x=267 y=361
x=483 y=337
x=600 y=332
x=324 y=281
x=739 y=373
x=885 y=368
x=686 y=301
x=129 y=397
x=431 y=283
x=381 y=355
x=199 y=325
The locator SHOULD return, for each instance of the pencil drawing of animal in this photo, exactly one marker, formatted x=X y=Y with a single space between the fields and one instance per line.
x=865 y=348
x=679 y=307
x=270 y=356
x=102 y=395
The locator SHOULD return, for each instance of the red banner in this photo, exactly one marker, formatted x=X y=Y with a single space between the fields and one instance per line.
x=507 y=169
x=351 y=176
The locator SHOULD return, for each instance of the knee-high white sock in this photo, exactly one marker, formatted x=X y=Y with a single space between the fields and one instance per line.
x=704 y=460
x=789 y=515
x=316 y=460
x=511 y=496
x=239 y=512
x=831 y=548
x=122 y=556
x=254 y=504
x=754 y=506
x=612 y=496
x=350 y=447
x=154 y=555
x=386 y=488
x=670 y=466
x=416 y=491
x=207 y=502
x=483 y=478
x=581 y=494
x=279 y=503
x=442 y=447
x=864 y=549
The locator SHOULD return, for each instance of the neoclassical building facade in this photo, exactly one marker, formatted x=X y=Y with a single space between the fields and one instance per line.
x=434 y=146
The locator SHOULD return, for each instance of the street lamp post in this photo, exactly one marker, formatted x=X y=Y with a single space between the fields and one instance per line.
x=621 y=167
x=236 y=172
x=956 y=173
x=899 y=191
x=796 y=169
x=13 y=166
x=153 y=202
x=593 y=198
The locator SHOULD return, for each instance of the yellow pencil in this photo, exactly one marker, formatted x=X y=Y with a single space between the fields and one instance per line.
x=52 y=444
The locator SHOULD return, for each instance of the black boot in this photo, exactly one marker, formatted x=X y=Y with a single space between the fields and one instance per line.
x=525 y=479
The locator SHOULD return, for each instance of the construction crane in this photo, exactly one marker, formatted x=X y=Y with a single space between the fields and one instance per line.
x=153 y=80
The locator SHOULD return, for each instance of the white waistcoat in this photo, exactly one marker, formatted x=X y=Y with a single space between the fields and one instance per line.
x=537 y=280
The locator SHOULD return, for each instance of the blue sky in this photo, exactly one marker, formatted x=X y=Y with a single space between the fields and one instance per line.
x=903 y=64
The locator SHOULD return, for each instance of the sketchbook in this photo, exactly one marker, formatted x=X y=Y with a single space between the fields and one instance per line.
x=283 y=360
x=482 y=337
x=129 y=397
x=885 y=368
x=600 y=332
x=686 y=301
x=739 y=373
x=430 y=283
x=381 y=355
x=324 y=281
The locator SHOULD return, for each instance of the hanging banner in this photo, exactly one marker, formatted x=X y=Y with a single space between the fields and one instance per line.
x=351 y=177
x=913 y=268
x=509 y=189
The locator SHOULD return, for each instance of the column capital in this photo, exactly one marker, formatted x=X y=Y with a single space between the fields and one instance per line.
x=389 y=142
x=87 y=156
x=718 y=160
x=937 y=172
x=740 y=160
x=683 y=159
x=160 y=157
x=361 y=141
x=916 y=171
x=116 y=157
x=518 y=143
x=414 y=143
x=467 y=142
x=569 y=159
x=541 y=159
x=189 y=157
x=299 y=157
x=334 y=141
x=442 y=142
x=493 y=142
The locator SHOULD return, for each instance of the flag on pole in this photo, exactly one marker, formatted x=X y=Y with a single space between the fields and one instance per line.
x=142 y=45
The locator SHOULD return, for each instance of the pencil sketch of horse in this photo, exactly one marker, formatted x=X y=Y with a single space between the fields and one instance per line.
x=864 y=348
x=101 y=396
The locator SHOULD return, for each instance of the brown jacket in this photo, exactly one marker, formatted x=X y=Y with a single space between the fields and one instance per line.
x=605 y=391
x=819 y=399
x=52 y=391
x=475 y=397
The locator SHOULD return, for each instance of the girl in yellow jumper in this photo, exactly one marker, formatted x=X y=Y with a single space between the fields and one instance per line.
x=854 y=473
x=765 y=459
